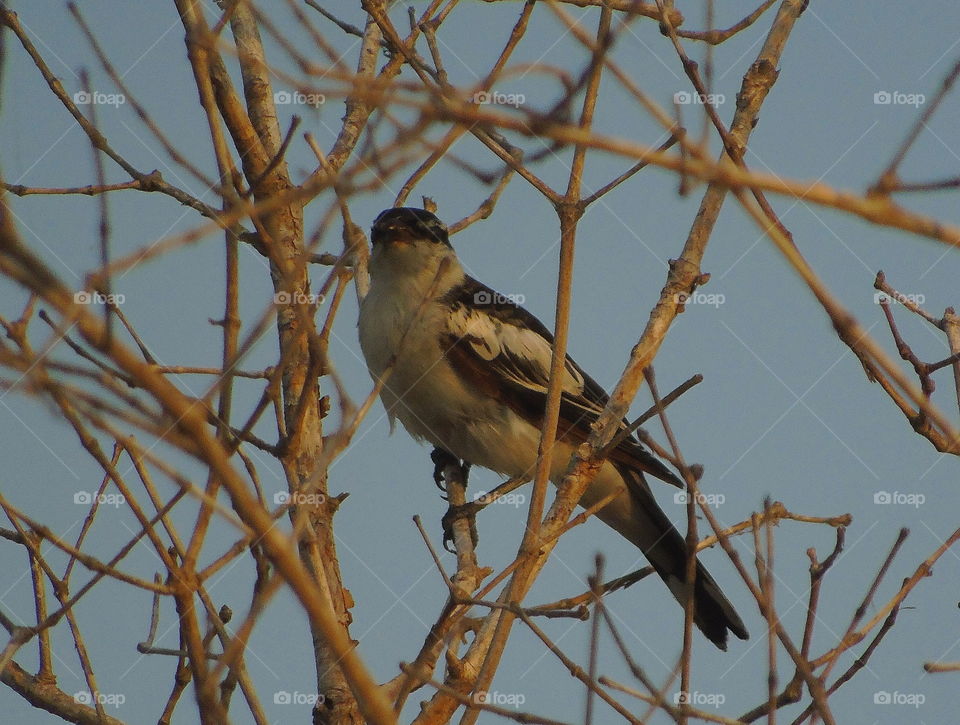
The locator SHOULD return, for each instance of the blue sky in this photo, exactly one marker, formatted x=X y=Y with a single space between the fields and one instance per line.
x=784 y=410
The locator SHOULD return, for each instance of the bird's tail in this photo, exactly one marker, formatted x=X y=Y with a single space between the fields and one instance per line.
x=648 y=527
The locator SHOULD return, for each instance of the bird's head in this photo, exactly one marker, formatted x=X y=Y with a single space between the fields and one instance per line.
x=408 y=225
x=409 y=242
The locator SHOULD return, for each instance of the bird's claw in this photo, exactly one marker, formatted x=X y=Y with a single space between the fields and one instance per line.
x=468 y=511
x=441 y=459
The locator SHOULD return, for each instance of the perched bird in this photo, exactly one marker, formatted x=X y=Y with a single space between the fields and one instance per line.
x=469 y=374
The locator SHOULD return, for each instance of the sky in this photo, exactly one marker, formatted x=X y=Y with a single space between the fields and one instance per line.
x=785 y=410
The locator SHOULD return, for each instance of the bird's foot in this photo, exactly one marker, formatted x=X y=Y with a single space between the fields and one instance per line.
x=441 y=460
x=454 y=513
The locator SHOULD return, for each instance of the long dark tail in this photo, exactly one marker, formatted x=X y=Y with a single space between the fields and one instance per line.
x=654 y=533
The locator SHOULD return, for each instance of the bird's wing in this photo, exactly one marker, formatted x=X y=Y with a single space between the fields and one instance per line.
x=505 y=353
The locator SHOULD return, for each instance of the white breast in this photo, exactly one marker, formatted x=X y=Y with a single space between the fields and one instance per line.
x=422 y=391
x=431 y=401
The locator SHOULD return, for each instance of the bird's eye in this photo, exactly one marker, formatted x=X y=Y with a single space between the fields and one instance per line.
x=434 y=229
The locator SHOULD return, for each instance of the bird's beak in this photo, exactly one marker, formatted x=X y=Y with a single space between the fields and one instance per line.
x=393 y=234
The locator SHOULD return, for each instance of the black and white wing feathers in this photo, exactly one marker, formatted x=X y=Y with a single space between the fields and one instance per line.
x=506 y=352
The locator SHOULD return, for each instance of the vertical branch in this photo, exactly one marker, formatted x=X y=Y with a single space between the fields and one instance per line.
x=951 y=327
x=767 y=585
x=596 y=589
x=198 y=53
x=302 y=356
x=691 y=540
x=532 y=548
x=104 y=282
x=40 y=602
x=210 y=709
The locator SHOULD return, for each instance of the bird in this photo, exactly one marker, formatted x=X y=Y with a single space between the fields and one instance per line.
x=466 y=369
